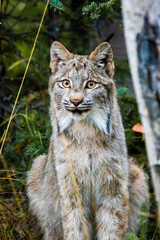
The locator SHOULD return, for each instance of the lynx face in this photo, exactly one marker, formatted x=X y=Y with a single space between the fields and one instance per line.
x=81 y=87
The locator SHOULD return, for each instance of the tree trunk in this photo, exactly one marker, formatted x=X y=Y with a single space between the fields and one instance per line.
x=142 y=33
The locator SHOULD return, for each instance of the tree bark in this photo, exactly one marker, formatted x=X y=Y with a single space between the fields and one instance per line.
x=142 y=33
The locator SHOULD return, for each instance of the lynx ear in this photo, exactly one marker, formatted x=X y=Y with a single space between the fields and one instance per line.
x=102 y=57
x=59 y=56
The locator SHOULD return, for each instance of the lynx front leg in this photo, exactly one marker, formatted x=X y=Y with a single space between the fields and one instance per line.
x=70 y=211
x=50 y=235
x=112 y=213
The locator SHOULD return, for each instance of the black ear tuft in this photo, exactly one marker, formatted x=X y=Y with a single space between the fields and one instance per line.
x=108 y=39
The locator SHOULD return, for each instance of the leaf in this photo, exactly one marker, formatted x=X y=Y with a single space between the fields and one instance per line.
x=122 y=91
x=138 y=128
x=17 y=148
x=30 y=96
x=15 y=64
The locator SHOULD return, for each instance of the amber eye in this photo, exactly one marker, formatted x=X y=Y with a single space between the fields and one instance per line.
x=66 y=83
x=90 y=84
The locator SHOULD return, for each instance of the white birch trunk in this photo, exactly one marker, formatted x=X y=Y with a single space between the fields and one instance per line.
x=142 y=34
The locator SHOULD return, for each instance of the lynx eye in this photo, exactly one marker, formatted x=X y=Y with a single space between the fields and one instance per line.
x=90 y=84
x=66 y=83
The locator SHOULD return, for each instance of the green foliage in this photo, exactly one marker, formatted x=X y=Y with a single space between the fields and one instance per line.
x=21 y=34
x=32 y=136
x=9 y=152
x=143 y=226
x=131 y=236
x=122 y=71
x=144 y=222
x=122 y=91
x=95 y=10
x=57 y=5
x=130 y=117
x=128 y=107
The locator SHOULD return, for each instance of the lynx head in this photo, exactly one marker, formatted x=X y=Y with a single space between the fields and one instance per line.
x=81 y=87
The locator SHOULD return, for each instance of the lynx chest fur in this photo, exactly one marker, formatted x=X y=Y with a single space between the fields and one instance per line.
x=88 y=134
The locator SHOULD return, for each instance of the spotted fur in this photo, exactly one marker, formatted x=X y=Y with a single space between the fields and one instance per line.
x=111 y=189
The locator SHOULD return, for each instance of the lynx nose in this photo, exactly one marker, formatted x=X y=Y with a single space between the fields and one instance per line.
x=76 y=102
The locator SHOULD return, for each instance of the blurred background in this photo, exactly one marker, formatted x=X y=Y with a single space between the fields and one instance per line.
x=80 y=26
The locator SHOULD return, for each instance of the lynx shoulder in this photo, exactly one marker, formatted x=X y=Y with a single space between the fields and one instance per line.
x=86 y=128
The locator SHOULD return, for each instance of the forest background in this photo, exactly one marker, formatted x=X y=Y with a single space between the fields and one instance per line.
x=80 y=26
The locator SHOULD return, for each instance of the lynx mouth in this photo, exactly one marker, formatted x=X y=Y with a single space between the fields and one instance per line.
x=78 y=111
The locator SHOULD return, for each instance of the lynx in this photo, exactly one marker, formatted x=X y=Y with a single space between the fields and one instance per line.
x=86 y=121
